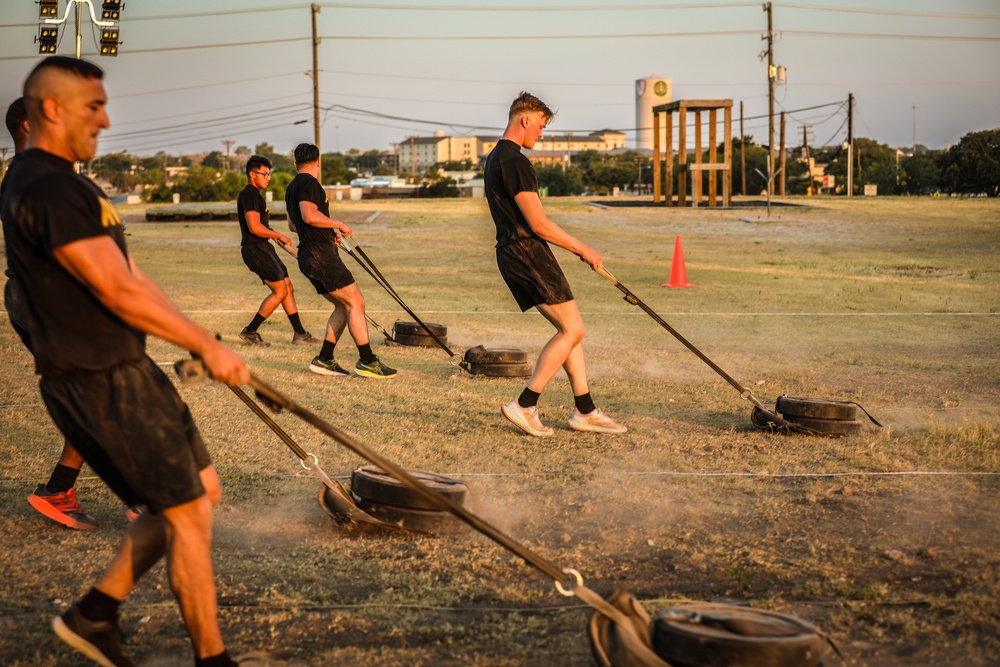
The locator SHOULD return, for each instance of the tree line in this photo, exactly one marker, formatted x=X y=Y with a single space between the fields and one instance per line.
x=970 y=167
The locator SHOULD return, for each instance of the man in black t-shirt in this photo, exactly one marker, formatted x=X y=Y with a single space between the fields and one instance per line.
x=308 y=211
x=89 y=309
x=531 y=272
x=261 y=258
x=55 y=499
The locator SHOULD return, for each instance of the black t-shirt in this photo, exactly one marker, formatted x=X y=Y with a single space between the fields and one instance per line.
x=250 y=200
x=305 y=187
x=46 y=205
x=508 y=173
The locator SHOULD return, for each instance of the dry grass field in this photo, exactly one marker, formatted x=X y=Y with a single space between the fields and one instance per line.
x=889 y=541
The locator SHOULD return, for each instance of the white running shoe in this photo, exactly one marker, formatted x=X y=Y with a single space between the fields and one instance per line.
x=526 y=419
x=595 y=422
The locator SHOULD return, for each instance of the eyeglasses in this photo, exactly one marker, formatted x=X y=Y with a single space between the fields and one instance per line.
x=262 y=174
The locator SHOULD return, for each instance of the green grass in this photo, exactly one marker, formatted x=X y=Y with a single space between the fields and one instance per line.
x=890 y=302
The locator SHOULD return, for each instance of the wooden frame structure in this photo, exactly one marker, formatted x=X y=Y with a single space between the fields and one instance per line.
x=696 y=168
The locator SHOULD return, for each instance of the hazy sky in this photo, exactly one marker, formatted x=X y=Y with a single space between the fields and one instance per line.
x=385 y=67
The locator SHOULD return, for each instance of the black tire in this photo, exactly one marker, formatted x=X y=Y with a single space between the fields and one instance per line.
x=500 y=370
x=417 y=341
x=373 y=484
x=428 y=521
x=833 y=427
x=730 y=635
x=815 y=408
x=414 y=329
x=482 y=355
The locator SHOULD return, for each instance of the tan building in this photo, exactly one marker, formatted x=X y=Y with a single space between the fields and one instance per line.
x=418 y=154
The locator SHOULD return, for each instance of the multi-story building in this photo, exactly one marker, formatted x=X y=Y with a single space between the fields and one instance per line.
x=418 y=154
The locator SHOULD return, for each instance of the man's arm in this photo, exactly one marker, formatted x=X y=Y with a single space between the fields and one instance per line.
x=531 y=206
x=311 y=215
x=99 y=264
x=257 y=228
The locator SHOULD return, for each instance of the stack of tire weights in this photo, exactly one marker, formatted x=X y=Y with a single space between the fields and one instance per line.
x=497 y=362
x=389 y=500
x=833 y=418
x=411 y=333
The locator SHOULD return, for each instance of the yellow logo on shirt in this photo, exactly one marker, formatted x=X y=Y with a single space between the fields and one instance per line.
x=109 y=216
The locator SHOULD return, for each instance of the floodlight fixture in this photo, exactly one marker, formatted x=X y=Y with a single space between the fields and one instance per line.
x=48 y=9
x=47 y=39
x=111 y=10
x=109 y=42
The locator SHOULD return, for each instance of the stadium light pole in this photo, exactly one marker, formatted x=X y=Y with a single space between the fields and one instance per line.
x=49 y=9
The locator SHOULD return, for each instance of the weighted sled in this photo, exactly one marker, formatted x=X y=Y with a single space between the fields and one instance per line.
x=373 y=484
x=836 y=427
x=482 y=355
x=815 y=408
x=414 y=329
x=416 y=340
x=428 y=521
x=718 y=635
x=500 y=370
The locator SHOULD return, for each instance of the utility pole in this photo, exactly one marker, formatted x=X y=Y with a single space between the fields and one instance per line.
x=771 y=74
x=314 y=10
x=743 y=154
x=781 y=158
x=914 y=129
x=850 y=144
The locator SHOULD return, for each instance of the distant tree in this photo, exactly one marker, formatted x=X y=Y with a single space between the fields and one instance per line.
x=278 y=161
x=384 y=170
x=921 y=174
x=215 y=160
x=196 y=184
x=560 y=182
x=973 y=164
x=228 y=187
x=335 y=169
x=445 y=187
x=456 y=165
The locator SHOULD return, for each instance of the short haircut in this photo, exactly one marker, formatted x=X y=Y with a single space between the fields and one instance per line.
x=528 y=103
x=17 y=113
x=256 y=162
x=305 y=153
x=82 y=68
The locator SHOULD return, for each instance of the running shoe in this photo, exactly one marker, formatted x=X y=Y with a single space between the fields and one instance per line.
x=526 y=419
x=253 y=338
x=101 y=641
x=595 y=422
x=330 y=367
x=62 y=508
x=374 y=369
x=305 y=338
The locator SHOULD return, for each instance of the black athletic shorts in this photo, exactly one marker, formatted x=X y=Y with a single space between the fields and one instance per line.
x=532 y=273
x=262 y=259
x=131 y=426
x=321 y=264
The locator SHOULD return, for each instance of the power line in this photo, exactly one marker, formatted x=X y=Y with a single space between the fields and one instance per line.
x=890 y=12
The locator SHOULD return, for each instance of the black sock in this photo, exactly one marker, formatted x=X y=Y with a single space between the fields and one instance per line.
x=365 y=352
x=326 y=352
x=255 y=323
x=62 y=480
x=221 y=660
x=584 y=404
x=98 y=606
x=296 y=323
x=528 y=398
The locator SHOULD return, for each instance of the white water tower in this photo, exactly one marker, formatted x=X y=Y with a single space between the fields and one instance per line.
x=650 y=92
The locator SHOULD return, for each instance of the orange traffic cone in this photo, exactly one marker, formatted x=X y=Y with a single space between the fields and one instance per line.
x=678 y=274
